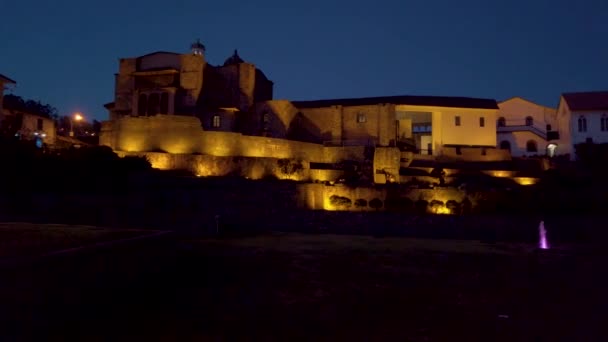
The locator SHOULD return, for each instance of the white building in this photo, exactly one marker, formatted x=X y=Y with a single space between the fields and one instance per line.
x=526 y=128
x=582 y=117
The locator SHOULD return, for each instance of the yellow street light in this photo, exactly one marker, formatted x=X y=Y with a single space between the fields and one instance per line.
x=76 y=117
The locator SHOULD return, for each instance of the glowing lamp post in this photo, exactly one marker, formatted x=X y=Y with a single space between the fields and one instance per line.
x=77 y=117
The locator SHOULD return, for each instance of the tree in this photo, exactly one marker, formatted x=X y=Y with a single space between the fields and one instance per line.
x=17 y=103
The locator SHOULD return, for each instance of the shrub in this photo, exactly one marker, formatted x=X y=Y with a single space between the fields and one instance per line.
x=339 y=201
x=453 y=205
x=360 y=203
x=289 y=166
x=376 y=203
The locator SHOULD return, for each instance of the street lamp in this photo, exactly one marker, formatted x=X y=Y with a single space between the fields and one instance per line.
x=77 y=117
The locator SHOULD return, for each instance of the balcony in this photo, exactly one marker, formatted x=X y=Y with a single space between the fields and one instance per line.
x=551 y=135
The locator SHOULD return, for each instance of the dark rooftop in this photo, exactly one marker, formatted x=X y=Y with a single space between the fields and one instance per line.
x=6 y=79
x=437 y=101
x=593 y=100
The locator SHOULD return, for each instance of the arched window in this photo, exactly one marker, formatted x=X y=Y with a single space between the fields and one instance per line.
x=216 y=121
x=582 y=124
x=529 y=121
x=501 y=122
x=164 y=103
x=153 y=104
x=531 y=146
x=142 y=104
x=505 y=145
x=604 y=123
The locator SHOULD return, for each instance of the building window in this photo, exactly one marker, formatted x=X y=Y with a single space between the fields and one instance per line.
x=482 y=122
x=531 y=146
x=361 y=118
x=142 y=104
x=589 y=140
x=529 y=121
x=505 y=145
x=604 y=122
x=164 y=103
x=458 y=150
x=483 y=152
x=548 y=128
x=153 y=104
x=216 y=121
x=501 y=122
x=39 y=125
x=457 y=120
x=582 y=124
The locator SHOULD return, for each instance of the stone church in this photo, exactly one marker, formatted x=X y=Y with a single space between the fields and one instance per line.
x=169 y=83
x=237 y=97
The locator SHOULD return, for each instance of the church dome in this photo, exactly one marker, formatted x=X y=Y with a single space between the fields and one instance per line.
x=234 y=59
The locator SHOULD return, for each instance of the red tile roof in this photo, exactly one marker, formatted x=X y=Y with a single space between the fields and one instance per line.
x=593 y=100
x=6 y=79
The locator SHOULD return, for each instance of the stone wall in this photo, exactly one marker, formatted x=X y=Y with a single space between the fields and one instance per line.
x=325 y=124
x=183 y=135
x=474 y=154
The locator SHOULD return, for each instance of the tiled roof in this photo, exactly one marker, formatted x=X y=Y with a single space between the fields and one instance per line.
x=593 y=100
x=436 y=101
x=6 y=79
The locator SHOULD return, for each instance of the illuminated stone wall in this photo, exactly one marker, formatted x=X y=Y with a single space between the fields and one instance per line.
x=387 y=161
x=325 y=124
x=183 y=135
x=168 y=133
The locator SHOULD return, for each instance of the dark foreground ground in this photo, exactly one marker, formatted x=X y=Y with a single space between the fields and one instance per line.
x=280 y=286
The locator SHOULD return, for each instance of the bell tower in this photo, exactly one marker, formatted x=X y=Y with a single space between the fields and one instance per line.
x=198 y=48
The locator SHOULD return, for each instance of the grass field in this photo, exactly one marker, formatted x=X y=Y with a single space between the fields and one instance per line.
x=18 y=240
x=312 y=287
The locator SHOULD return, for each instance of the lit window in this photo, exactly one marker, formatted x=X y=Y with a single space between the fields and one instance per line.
x=501 y=122
x=457 y=120
x=361 y=118
x=529 y=121
x=216 y=121
x=482 y=122
x=582 y=124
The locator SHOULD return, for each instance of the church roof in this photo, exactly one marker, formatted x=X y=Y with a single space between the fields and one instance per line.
x=435 y=101
x=5 y=79
x=234 y=59
x=593 y=100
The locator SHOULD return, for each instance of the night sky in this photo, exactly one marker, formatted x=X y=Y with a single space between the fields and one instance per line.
x=65 y=52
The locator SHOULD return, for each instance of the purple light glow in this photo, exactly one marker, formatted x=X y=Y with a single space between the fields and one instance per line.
x=542 y=243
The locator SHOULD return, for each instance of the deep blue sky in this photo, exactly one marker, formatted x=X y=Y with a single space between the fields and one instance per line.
x=65 y=52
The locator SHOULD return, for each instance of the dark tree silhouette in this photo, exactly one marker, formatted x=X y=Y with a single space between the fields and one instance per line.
x=17 y=103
